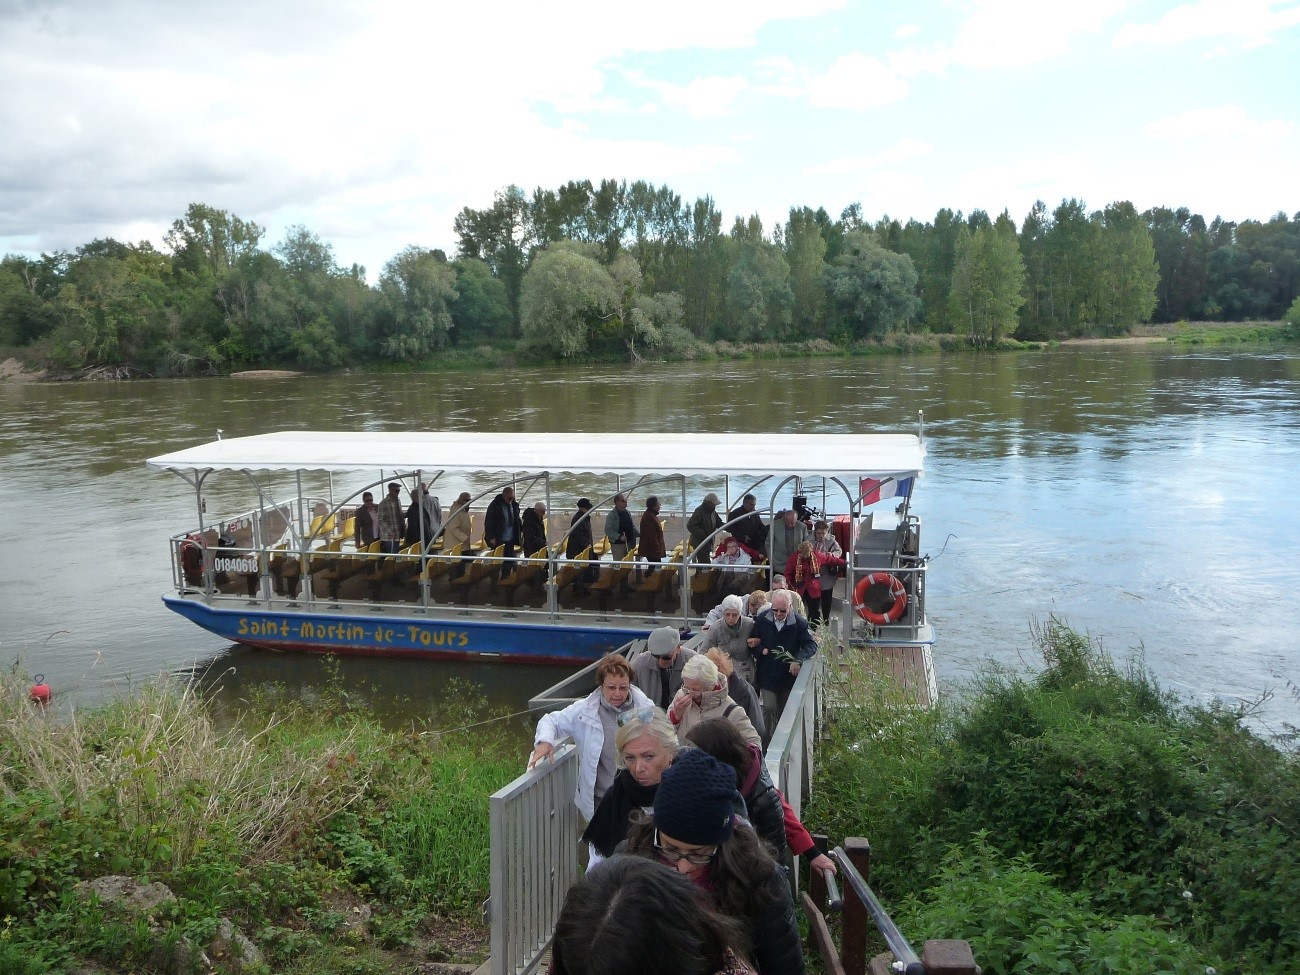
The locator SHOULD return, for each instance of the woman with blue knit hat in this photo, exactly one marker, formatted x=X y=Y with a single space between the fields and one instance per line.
x=695 y=831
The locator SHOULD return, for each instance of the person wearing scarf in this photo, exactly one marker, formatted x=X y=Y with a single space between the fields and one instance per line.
x=646 y=745
x=730 y=633
x=704 y=696
x=803 y=574
x=831 y=559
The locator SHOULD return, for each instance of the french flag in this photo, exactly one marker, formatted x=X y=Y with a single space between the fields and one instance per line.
x=873 y=490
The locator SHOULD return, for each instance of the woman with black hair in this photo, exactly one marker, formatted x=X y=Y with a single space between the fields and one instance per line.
x=765 y=807
x=630 y=916
x=694 y=830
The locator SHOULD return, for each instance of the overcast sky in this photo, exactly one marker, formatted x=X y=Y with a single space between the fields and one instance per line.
x=373 y=124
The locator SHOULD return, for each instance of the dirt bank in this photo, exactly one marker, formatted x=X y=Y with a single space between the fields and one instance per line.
x=11 y=370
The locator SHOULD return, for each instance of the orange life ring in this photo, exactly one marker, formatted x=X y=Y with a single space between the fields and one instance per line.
x=192 y=551
x=897 y=592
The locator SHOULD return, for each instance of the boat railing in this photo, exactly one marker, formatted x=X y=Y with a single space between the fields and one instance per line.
x=910 y=571
x=534 y=833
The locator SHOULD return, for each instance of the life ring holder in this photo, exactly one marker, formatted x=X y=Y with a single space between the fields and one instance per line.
x=896 y=590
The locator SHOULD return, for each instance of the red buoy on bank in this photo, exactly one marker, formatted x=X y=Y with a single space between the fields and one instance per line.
x=40 y=692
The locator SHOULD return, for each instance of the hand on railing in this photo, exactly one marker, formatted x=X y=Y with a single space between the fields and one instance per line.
x=543 y=750
x=823 y=863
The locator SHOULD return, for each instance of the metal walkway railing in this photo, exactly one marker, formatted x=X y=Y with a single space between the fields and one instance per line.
x=535 y=828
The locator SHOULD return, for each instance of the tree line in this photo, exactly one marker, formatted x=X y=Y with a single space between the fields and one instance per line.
x=620 y=269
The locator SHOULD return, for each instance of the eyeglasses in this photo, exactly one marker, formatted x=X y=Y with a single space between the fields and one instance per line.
x=781 y=612
x=644 y=715
x=673 y=855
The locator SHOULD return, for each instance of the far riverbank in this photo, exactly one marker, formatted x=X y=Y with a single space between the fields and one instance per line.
x=505 y=355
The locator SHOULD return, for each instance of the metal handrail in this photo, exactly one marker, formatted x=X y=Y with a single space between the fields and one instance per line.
x=906 y=960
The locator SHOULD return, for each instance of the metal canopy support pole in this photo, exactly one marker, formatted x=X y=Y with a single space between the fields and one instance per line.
x=546 y=531
x=684 y=581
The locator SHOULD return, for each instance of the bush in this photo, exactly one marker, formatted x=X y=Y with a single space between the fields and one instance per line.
x=1018 y=920
x=1088 y=789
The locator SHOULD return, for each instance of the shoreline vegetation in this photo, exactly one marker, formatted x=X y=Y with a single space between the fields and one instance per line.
x=628 y=272
x=488 y=357
x=1072 y=818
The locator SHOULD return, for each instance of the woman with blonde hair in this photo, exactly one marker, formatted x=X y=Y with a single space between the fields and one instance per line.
x=704 y=696
x=646 y=744
x=592 y=724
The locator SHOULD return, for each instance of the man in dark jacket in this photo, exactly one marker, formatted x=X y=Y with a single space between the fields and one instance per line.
x=704 y=521
x=780 y=642
x=502 y=524
x=535 y=528
x=749 y=530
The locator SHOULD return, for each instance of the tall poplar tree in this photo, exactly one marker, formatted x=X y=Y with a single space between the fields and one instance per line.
x=987 y=281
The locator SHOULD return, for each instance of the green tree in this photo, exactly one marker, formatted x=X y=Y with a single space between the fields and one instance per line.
x=482 y=307
x=210 y=240
x=502 y=236
x=805 y=252
x=1124 y=269
x=873 y=290
x=986 y=283
x=705 y=280
x=759 y=297
x=566 y=294
x=418 y=288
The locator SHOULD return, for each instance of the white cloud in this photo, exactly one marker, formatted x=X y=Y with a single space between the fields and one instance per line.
x=1247 y=23
x=856 y=81
x=1010 y=33
x=906 y=31
x=710 y=97
x=1227 y=122
x=375 y=123
x=905 y=150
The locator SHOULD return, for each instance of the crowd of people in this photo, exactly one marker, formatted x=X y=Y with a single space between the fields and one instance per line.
x=673 y=788
x=795 y=553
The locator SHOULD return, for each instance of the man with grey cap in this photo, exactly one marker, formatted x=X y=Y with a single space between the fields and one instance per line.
x=658 y=671
x=704 y=521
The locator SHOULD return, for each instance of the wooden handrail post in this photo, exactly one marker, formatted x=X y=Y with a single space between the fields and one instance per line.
x=853 y=933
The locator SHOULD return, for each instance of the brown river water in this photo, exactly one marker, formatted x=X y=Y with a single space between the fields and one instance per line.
x=1146 y=495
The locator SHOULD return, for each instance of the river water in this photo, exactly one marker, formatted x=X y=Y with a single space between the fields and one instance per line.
x=1145 y=495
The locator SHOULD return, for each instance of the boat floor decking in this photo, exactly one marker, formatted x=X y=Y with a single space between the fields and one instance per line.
x=906 y=670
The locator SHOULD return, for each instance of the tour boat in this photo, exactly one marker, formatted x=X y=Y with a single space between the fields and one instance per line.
x=284 y=571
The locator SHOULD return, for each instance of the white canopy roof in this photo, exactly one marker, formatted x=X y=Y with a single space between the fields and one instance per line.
x=832 y=454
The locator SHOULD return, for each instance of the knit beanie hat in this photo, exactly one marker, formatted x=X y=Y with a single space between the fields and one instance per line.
x=694 y=802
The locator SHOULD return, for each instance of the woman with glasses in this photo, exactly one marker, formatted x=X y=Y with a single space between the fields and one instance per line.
x=592 y=724
x=704 y=696
x=631 y=916
x=646 y=745
x=765 y=807
x=695 y=831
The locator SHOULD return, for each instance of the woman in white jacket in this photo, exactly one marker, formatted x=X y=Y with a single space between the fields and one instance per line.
x=592 y=724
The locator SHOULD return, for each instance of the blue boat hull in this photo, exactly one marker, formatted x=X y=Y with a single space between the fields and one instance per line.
x=375 y=634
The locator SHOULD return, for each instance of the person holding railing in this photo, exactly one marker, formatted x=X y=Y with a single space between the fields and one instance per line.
x=592 y=723
x=695 y=830
x=765 y=806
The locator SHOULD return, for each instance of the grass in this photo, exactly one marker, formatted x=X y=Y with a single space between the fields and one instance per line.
x=287 y=821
